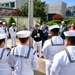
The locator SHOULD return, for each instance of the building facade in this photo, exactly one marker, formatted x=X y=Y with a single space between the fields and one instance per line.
x=55 y=8
x=58 y=8
x=13 y=3
x=71 y=8
x=71 y=11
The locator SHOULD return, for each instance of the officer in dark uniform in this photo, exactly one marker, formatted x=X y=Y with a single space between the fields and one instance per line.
x=37 y=36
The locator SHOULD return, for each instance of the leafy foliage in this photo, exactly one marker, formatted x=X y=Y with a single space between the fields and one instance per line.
x=39 y=10
x=11 y=20
x=24 y=10
x=73 y=21
x=57 y=17
x=68 y=22
x=53 y=22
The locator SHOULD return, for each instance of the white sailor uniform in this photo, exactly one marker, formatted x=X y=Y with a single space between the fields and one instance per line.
x=12 y=31
x=24 y=60
x=64 y=61
x=50 y=48
x=62 y=64
x=7 y=34
x=2 y=30
x=5 y=68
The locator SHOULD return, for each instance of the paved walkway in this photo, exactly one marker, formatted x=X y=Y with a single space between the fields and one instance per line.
x=41 y=69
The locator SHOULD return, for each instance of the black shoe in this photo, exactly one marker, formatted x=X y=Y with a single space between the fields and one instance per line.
x=42 y=56
x=8 y=48
x=37 y=55
x=12 y=46
x=15 y=45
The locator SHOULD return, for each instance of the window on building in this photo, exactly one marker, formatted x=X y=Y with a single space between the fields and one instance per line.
x=1 y=4
x=7 y=4
x=12 y=4
x=25 y=4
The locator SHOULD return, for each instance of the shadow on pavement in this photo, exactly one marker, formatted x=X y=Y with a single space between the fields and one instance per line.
x=38 y=73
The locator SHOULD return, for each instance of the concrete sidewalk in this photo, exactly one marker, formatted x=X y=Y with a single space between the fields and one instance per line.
x=41 y=69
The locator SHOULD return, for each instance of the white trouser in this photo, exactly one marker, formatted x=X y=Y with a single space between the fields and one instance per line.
x=5 y=71
x=48 y=66
x=13 y=41
x=37 y=46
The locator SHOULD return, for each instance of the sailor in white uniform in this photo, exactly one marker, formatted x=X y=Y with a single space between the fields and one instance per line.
x=23 y=58
x=52 y=46
x=64 y=61
x=5 y=68
x=1 y=27
x=12 y=32
x=6 y=33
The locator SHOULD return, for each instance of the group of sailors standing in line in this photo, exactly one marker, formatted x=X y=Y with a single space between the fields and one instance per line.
x=12 y=31
x=59 y=53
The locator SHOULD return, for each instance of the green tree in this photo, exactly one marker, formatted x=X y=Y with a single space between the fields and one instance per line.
x=24 y=10
x=39 y=10
x=11 y=20
x=53 y=22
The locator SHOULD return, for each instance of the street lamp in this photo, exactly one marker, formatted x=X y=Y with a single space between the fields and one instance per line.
x=30 y=18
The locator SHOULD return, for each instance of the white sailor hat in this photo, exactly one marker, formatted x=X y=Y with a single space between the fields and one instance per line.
x=37 y=24
x=70 y=33
x=2 y=36
x=13 y=23
x=0 y=21
x=4 y=23
x=53 y=27
x=23 y=34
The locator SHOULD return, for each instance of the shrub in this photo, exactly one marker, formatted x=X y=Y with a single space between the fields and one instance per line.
x=72 y=21
x=67 y=21
x=54 y=22
x=11 y=20
x=57 y=17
